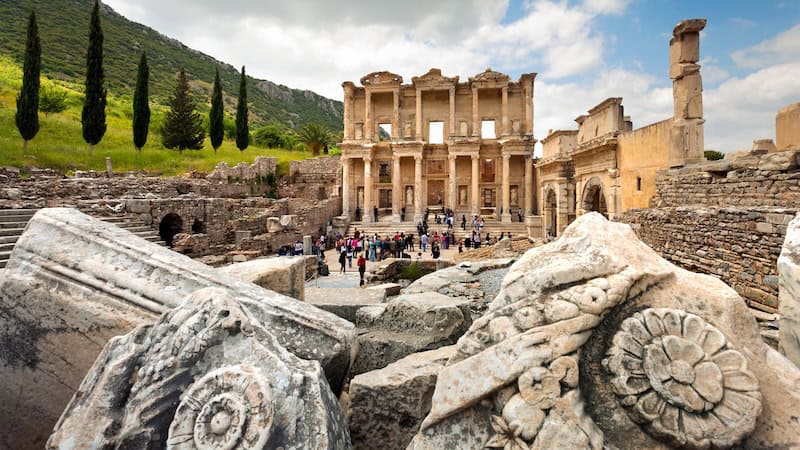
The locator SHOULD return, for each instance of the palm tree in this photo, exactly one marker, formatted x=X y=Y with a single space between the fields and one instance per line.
x=315 y=136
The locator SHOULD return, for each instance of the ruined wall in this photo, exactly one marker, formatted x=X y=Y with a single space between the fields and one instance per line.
x=738 y=245
x=313 y=179
x=640 y=155
x=726 y=218
x=787 y=127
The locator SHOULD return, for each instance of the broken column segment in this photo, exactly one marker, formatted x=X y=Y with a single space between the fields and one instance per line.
x=74 y=282
x=687 y=138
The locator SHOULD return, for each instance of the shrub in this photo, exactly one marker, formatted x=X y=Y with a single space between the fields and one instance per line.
x=53 y=99
x=713 y=155
x=269 y=136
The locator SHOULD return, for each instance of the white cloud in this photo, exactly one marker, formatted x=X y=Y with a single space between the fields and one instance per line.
x=317 y=45
x=784 y=47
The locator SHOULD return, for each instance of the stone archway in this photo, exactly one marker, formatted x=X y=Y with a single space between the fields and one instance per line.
x=170 y=225
x=594 y=197
x=550 y=212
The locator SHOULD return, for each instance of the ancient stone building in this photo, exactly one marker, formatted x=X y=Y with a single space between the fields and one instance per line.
x=438 y=144
x=608 y=167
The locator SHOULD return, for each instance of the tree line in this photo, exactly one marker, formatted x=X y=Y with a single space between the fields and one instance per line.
x=183 y=126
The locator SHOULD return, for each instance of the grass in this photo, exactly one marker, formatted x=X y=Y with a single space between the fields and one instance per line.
x=59 y=144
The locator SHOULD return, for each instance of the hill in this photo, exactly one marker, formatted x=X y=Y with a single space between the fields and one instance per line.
x=63 y=28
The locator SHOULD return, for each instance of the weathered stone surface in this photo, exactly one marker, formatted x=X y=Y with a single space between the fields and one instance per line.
x=344 y=302
x=73 y=282
x=789 y=293
x=194 y=245
x=388 y=405
x=389 y=289
x=658 y=345
x=284 y=275
x=288 y=222
x=408 y=324
x=206 y=375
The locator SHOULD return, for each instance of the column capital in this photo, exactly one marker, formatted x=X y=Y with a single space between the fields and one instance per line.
x=368 y=159
x=417 y=158
x=452 y=157
x=475 y=157
x=506 y=157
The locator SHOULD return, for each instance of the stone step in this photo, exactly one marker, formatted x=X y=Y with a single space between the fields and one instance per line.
x=6 y=247
x=135 y=229
x=9 y=239
x=11 y=231
x=18 y=212
x=7 y=225
x=2 y=266
x=4 y=255
x=15 y=218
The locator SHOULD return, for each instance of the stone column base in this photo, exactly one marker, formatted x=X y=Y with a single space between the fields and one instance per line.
x=505 y=218
x=396 y=218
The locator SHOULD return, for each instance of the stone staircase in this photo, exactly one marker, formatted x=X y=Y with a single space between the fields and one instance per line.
x=13 y=222
x=385 y=228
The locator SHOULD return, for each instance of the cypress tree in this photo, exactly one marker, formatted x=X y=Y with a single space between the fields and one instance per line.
x=216 y=116
x=183 y=126
x=93 y=117
x=242 y=132
x=141 y=105
x=27 y=116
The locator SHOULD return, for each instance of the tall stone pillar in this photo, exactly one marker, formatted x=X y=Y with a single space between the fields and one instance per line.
x=419 y=114
x=451 y=191
x=474 y=194
x=349 y=93
x=368 y=116
x=397 y=189
x=452 y=111
x=505 y=129
x=687 y=134
x=396 y=126
x=418 y=189
x=528 y=207
x=367 y=190
x=526 y=81
x=506 y=215
x=476 y=118
x=346 y=165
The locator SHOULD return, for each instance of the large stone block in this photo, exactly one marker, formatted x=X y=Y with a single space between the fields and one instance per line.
x=284 y=275
x=787 y=127
x=687 y=93
x=595 y=341
x=74 y=282
x=344 y=302
x=208 y=374
x=789 y=293
x=274 y=225
x=386 y=406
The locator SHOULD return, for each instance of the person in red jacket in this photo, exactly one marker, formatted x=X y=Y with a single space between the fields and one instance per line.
x=362 y=268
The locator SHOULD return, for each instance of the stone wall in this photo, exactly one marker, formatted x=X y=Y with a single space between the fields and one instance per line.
x=738 y=245
x=315 y=178
x=787 y=127
x=243 y=172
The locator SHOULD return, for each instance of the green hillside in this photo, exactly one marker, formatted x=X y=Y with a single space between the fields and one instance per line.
x=63 y=28
x=59 y=144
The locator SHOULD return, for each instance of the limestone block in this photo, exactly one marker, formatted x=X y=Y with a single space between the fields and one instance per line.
x=595 y=341
x=789 y=293
x=289 y=222
x=344 y=302
x=74 y=282
x=307 y=244
x=761 y=146
x=388 y=289
x=284 y=275
x=208 y=374
x=787 y=127
x=274 y=225
x=686 y=142
x=136 y=206
x=782 y=160
x=685 y=48
x=191 y=244
x=687 y=95
x=241 y=235
x=408 y=324
x=388 y=405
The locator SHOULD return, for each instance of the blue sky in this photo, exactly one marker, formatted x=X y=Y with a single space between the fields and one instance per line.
x=583 y=50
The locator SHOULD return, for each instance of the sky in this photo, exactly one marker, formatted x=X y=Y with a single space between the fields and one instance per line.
x=583 y=50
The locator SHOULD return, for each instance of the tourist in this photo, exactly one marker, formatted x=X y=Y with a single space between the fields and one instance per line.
x=502 y=235
x=362 y=267
x=322 y=242
x=349 y=248
x=468 y=242
x=298 y=248
x=358 y=214
x=464 y=222
x=375 y=213
x=449 y=222
x=403 y=214
x=488 y=240
x=393 y=248
x=476 y=240
x=423 y=242
x=372 y=249
x=460 y=246
x=520 y=214
x=446 y=241
x=410 y=242
x=342 y=261
x=435 y=252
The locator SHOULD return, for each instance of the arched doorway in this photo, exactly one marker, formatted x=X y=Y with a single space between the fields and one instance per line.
x=170 y=225
x=551 y=213
x=594 y=197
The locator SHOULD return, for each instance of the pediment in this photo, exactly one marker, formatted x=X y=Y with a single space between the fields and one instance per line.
x=383 y=78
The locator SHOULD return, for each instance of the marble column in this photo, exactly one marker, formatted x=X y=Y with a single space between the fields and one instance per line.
x=475 y=195
x=397 y=131
x=397 y=189
x=505 y=128
x=528 y=186
x=367 y=190
x=348 y=110
x=368 y=116
x=505 y=216
x=451 y=193
x=452 y=112
x=418 y=214
x=476 y=118
x=419 y=115
x=346 y=165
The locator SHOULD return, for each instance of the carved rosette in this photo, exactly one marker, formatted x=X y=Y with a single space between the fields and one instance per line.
x=228 y=408
x=677 y=376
